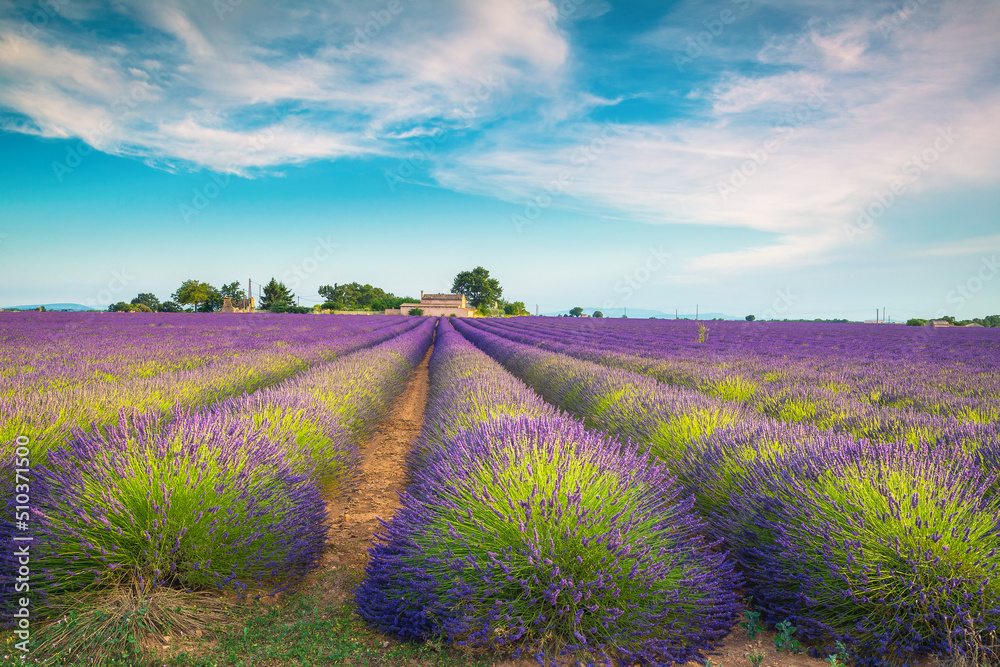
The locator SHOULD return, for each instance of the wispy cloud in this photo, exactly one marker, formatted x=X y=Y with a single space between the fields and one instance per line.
x=346 y=78
x=830 y=116
x=793 y=117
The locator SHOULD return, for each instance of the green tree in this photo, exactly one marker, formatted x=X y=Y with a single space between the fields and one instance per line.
x=192 y=292
x=213 y=303
x=215 y=296
x=276 y=295
x=233 y=290
x=750 y=318
x=576 y=312
x=598 y=313
x=169 y=307
x=148 y=300
x=915 y=322
x=120 y=307
x=355 y=296
x=477 y=286
x=416 y=311
x=515 y=308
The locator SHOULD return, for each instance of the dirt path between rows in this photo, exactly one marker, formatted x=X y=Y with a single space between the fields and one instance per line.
x=354 y=520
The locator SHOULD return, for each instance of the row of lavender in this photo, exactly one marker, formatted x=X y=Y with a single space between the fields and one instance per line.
x=226 y=496
x=524 y=531
x=119 y=346
x=890 y=548
x=860 y=359
x=870 y=390
x=60 y=371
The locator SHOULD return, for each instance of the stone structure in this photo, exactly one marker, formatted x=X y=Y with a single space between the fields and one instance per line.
x=242 y=306
x=437 y=305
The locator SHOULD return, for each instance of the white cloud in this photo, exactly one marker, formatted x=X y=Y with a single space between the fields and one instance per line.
x=838 y=124
x=741 y=94
x=419 y=68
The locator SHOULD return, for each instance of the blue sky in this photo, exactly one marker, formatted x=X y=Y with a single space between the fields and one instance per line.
x=784 y=158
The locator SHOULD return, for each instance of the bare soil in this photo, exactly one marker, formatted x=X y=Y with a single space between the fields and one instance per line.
x=354 y=520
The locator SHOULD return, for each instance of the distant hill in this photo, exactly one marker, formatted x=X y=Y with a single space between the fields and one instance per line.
x=51 y=306
x=641 y=313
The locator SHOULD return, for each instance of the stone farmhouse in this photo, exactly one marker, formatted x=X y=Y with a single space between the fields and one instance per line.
x=439 y=305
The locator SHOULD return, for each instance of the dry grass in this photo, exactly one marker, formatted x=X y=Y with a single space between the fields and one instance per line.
x=111 y=625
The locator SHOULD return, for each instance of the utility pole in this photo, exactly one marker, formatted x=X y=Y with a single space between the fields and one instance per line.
x=536 y=310
x=695 y=312
x=883 y=314
x=675 y=313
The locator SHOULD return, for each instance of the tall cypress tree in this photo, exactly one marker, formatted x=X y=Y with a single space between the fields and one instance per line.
x=276 y=294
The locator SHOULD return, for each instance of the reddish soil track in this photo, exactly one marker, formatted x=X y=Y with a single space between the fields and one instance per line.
x=354 y=520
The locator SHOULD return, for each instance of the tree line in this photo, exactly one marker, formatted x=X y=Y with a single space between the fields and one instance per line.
x=481 y=292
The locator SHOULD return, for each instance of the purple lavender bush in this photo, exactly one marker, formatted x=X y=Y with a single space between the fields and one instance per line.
x=875 y=382
x=468 y=388
x=317 y=443
x=534 y=535
x=892 y=549
x=8 y=563
x=627 y=404
x=326 y=411
x=184 y=503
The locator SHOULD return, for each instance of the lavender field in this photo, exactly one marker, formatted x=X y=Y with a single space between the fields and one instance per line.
x=619 y=492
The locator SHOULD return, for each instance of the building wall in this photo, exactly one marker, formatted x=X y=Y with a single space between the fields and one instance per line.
x=436 y=305
x=433 y=311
